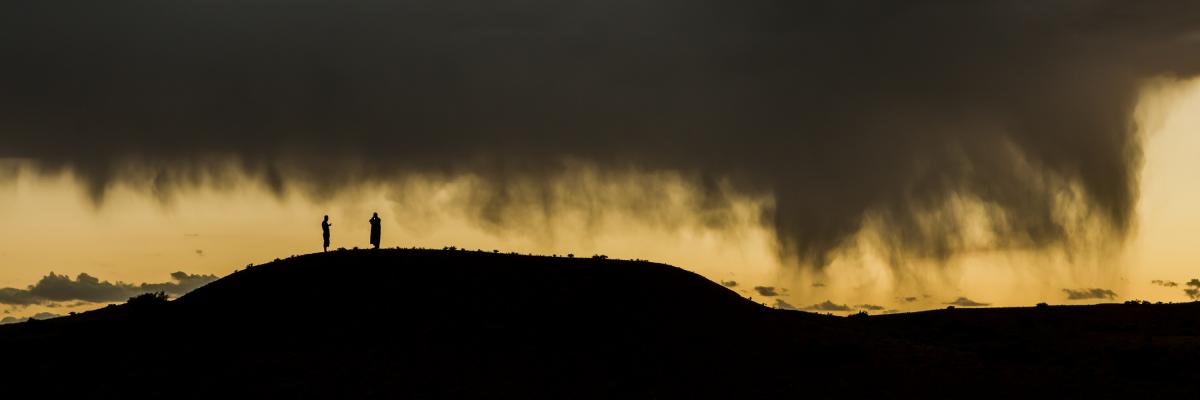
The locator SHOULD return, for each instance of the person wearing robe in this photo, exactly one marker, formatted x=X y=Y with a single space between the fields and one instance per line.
x=375 y=230
x=325 y=231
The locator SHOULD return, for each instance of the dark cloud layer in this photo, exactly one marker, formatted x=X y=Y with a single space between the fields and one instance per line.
x=60 y=288
x=1086 y=294
x=1163 y=283
x=839 y=109
x=38 y=316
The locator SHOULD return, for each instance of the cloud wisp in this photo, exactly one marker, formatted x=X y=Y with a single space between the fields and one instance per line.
x=1090 y=294
x=828 y=306
x=965 y=302
x=768 y=291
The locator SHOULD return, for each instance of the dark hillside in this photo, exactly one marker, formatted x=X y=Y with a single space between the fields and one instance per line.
x=431 y=323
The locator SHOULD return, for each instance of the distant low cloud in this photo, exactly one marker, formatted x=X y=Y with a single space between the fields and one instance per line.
x=1193 y=290
x=828 y=306
x=729 y=283
x=1087 y=294
x=38 y=316
x=1164 y=283
x=910 y=299
x=766 y=291
x=783 y=305
x=965 y=302
x=869 y=307
x=59 y=288
x=818 y=284
x=17 y=297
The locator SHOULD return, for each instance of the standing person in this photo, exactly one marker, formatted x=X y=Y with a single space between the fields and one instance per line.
x=375 y=230
x=325 y=232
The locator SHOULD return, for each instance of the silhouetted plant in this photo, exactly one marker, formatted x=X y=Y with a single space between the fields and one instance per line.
x=600 y=257
x=147 y=299
x=949 y=307
x=1042 y=305
x=570 y=255
x=858 y=315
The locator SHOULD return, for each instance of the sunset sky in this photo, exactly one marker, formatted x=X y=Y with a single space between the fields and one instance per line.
x=819 y=154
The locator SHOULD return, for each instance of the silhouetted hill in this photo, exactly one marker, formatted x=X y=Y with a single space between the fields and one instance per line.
x=431 y=323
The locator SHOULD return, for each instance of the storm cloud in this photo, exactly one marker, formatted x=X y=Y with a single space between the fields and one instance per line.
x=1086 y=294
x=59 y=288
x=840 y=111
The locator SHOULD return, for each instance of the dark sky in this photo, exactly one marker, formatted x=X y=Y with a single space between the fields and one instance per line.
x=838 y=108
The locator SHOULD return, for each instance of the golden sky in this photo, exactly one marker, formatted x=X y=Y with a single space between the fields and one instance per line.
x=133 y=236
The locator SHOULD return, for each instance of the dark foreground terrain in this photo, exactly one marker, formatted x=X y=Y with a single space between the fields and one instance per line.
x=428 y=323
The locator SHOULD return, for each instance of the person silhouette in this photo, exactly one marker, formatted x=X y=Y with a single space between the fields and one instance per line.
x=325 y=232
x=375 y=230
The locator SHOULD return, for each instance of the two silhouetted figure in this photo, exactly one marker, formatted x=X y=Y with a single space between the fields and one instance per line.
x=325 y=232
x=375 y=230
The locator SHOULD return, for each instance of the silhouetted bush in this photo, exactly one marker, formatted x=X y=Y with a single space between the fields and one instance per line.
x=148 y=299
x=949 y=307
x=600 y=257
x=1042 y=305
x=570 y=255
x=858 y=315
